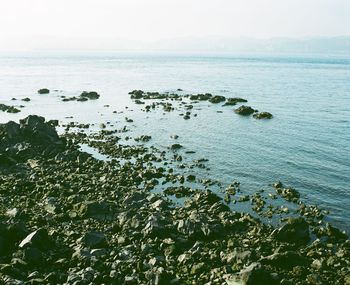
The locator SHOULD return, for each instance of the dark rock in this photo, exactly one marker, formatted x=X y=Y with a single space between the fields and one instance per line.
x=286 y=260
x=175 y=146
x=201 y=97
x=263 y=115
x=38 y=239
x=217 y=99
x=245 y=110
x=44 y=91
x=136 y=94
x=234 y=101
x=296 y=230
x=92 y=95
x=9 y=109
x=254 y=274
x=94 y=239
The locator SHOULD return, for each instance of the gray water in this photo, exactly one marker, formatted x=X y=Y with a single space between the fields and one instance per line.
x=306 y=145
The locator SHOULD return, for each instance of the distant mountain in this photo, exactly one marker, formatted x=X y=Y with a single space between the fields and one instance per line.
x=320 y=45
x=332 y=45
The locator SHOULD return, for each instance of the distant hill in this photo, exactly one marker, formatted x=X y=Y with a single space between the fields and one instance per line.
x=321 y=45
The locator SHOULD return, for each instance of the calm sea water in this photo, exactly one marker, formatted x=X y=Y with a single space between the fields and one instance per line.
x=306 y=145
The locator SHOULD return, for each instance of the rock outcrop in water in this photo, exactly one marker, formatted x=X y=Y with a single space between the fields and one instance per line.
x=68 y=218
x=44 y=91
x=9 y=109
x=263 y=115
x=245 y=110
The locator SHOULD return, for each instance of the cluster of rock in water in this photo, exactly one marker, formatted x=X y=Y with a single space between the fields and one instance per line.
x=139 y=95
x=69 y=218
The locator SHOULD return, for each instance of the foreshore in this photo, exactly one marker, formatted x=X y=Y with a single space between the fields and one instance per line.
x=70 y=218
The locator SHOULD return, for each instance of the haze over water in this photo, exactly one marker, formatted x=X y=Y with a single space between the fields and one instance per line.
x=306 y=144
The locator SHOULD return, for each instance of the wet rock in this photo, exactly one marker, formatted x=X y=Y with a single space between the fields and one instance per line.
x=234 y=101
x=245 y=110
x=296 y=230
x=136 y=94
x=175 y=146
x=290 y=194
x=263 y=115
x=217 y=99
x=9 y=109
x=92 y=95
x=44 y=91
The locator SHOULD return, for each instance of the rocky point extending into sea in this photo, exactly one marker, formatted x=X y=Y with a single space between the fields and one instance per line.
x=70 y=218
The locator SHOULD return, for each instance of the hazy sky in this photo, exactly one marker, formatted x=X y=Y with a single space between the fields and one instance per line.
x=29 y=22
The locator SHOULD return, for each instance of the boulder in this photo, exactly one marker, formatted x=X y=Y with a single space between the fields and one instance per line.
x=44 y=91
x=244 y=110
x=263 y=115
x=296 y=231
x=92 y=95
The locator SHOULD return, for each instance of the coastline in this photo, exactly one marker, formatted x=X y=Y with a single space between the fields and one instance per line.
x=74 y=218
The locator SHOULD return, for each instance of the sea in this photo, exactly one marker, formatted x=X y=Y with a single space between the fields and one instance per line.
x=305 y=146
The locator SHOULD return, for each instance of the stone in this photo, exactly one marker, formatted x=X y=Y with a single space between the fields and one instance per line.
x=94 y=239
x=92 y=95
x=296 y=230
x=44 y=91
x=245 y=110
x=263 y=115
x=38 y=238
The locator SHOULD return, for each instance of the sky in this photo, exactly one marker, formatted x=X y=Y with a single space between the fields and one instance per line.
x=122 y=23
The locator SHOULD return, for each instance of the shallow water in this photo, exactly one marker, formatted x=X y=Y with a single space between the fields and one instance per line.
x=306 y=145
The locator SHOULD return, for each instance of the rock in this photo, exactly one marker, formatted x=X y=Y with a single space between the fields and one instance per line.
x=26 y=99
x=175 y=146
x=290 y=194
x=254 y=274
x=100 y=210
x=9 y=109
x=335 y=233
x=286 y=260
x=201 y=97
x=296 y=230
x=94 y=239
x=245 y=110
x=33 y=256
x=38 y=239
x=136 y=94
x=217 y=99
x=234 y=101
x=44 y=91
x=263 y=115
x=92 y=95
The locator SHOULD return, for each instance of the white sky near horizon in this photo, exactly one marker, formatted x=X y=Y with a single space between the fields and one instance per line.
x=34 y=22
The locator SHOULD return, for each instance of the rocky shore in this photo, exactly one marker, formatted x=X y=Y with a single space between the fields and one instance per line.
x=70 y=218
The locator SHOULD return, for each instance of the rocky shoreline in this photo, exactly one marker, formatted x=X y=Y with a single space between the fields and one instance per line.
x=70 y=218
